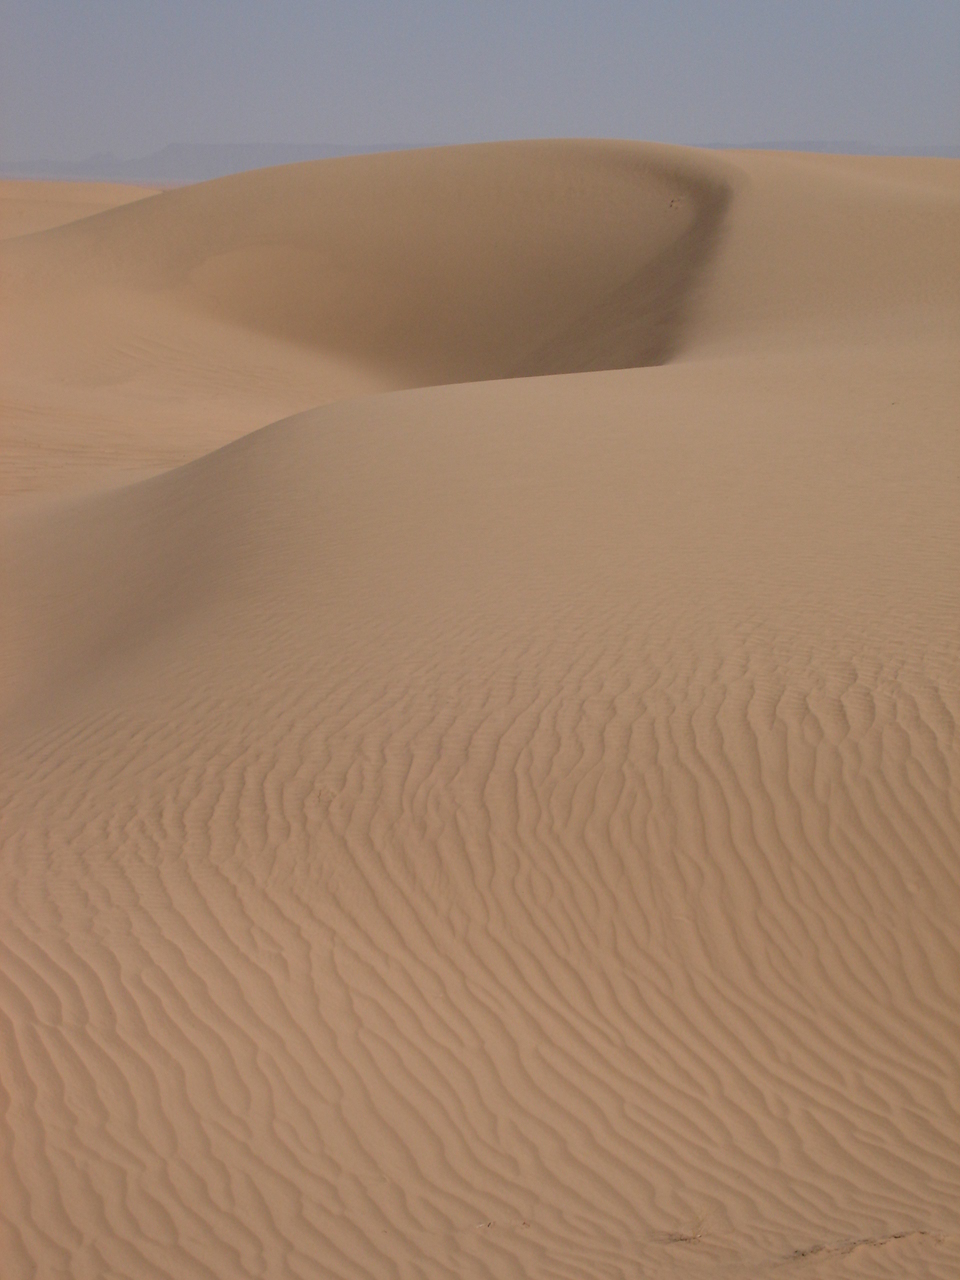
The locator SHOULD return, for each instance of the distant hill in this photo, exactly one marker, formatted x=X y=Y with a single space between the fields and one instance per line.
x=196 y=162
x=188 y=162
x=839 y=148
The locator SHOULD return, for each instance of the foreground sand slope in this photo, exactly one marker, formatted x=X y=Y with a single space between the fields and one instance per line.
x=512 y=829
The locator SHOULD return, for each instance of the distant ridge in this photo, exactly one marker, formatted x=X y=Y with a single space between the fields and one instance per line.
x=197 y=162
x=188 y=162
x=838 y=148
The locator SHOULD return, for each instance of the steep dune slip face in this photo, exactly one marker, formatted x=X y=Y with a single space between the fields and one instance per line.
x=155 y=332
x=507 y=829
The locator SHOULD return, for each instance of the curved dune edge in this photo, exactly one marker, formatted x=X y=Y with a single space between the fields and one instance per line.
x=29 y=205
x=450 y=264
x=150 y=334
x=510 y=829
x=156 y=332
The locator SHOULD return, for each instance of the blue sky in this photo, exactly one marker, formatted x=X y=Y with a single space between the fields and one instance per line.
x=81 y=76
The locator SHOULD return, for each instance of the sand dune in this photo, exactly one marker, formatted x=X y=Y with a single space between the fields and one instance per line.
x=220 y=307
x=28 y=206
x=153 y=333
x=487 y=825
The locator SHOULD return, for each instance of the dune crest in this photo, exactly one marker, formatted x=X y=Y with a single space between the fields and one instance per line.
x=224 y=306
x=30 y=205
x=153 y=333
x=502 y=829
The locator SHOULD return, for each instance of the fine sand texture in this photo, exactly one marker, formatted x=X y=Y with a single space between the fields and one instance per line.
x=28 y=205
x=480 y=686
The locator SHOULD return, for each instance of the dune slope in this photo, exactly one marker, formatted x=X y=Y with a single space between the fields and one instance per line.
x=29 y=205
x=509 y=829
x=152 y=333
x=194 y=316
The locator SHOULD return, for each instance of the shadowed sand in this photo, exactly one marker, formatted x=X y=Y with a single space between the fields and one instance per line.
x=486 y=825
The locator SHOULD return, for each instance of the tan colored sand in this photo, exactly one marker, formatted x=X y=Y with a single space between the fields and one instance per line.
x=29 y=205
x=501 y=826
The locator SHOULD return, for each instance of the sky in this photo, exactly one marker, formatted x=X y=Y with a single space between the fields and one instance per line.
x=79 y=77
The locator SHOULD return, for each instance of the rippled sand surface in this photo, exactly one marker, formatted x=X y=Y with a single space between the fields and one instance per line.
x=480 y=698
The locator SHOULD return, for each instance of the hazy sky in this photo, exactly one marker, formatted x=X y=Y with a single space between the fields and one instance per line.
x=80 y=76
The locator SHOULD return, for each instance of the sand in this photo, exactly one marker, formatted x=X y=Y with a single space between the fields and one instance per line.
x=480 y=686
x=28 y=205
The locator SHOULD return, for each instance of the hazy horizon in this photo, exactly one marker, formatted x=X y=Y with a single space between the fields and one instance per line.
x=124 y=82
x=179 y=163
